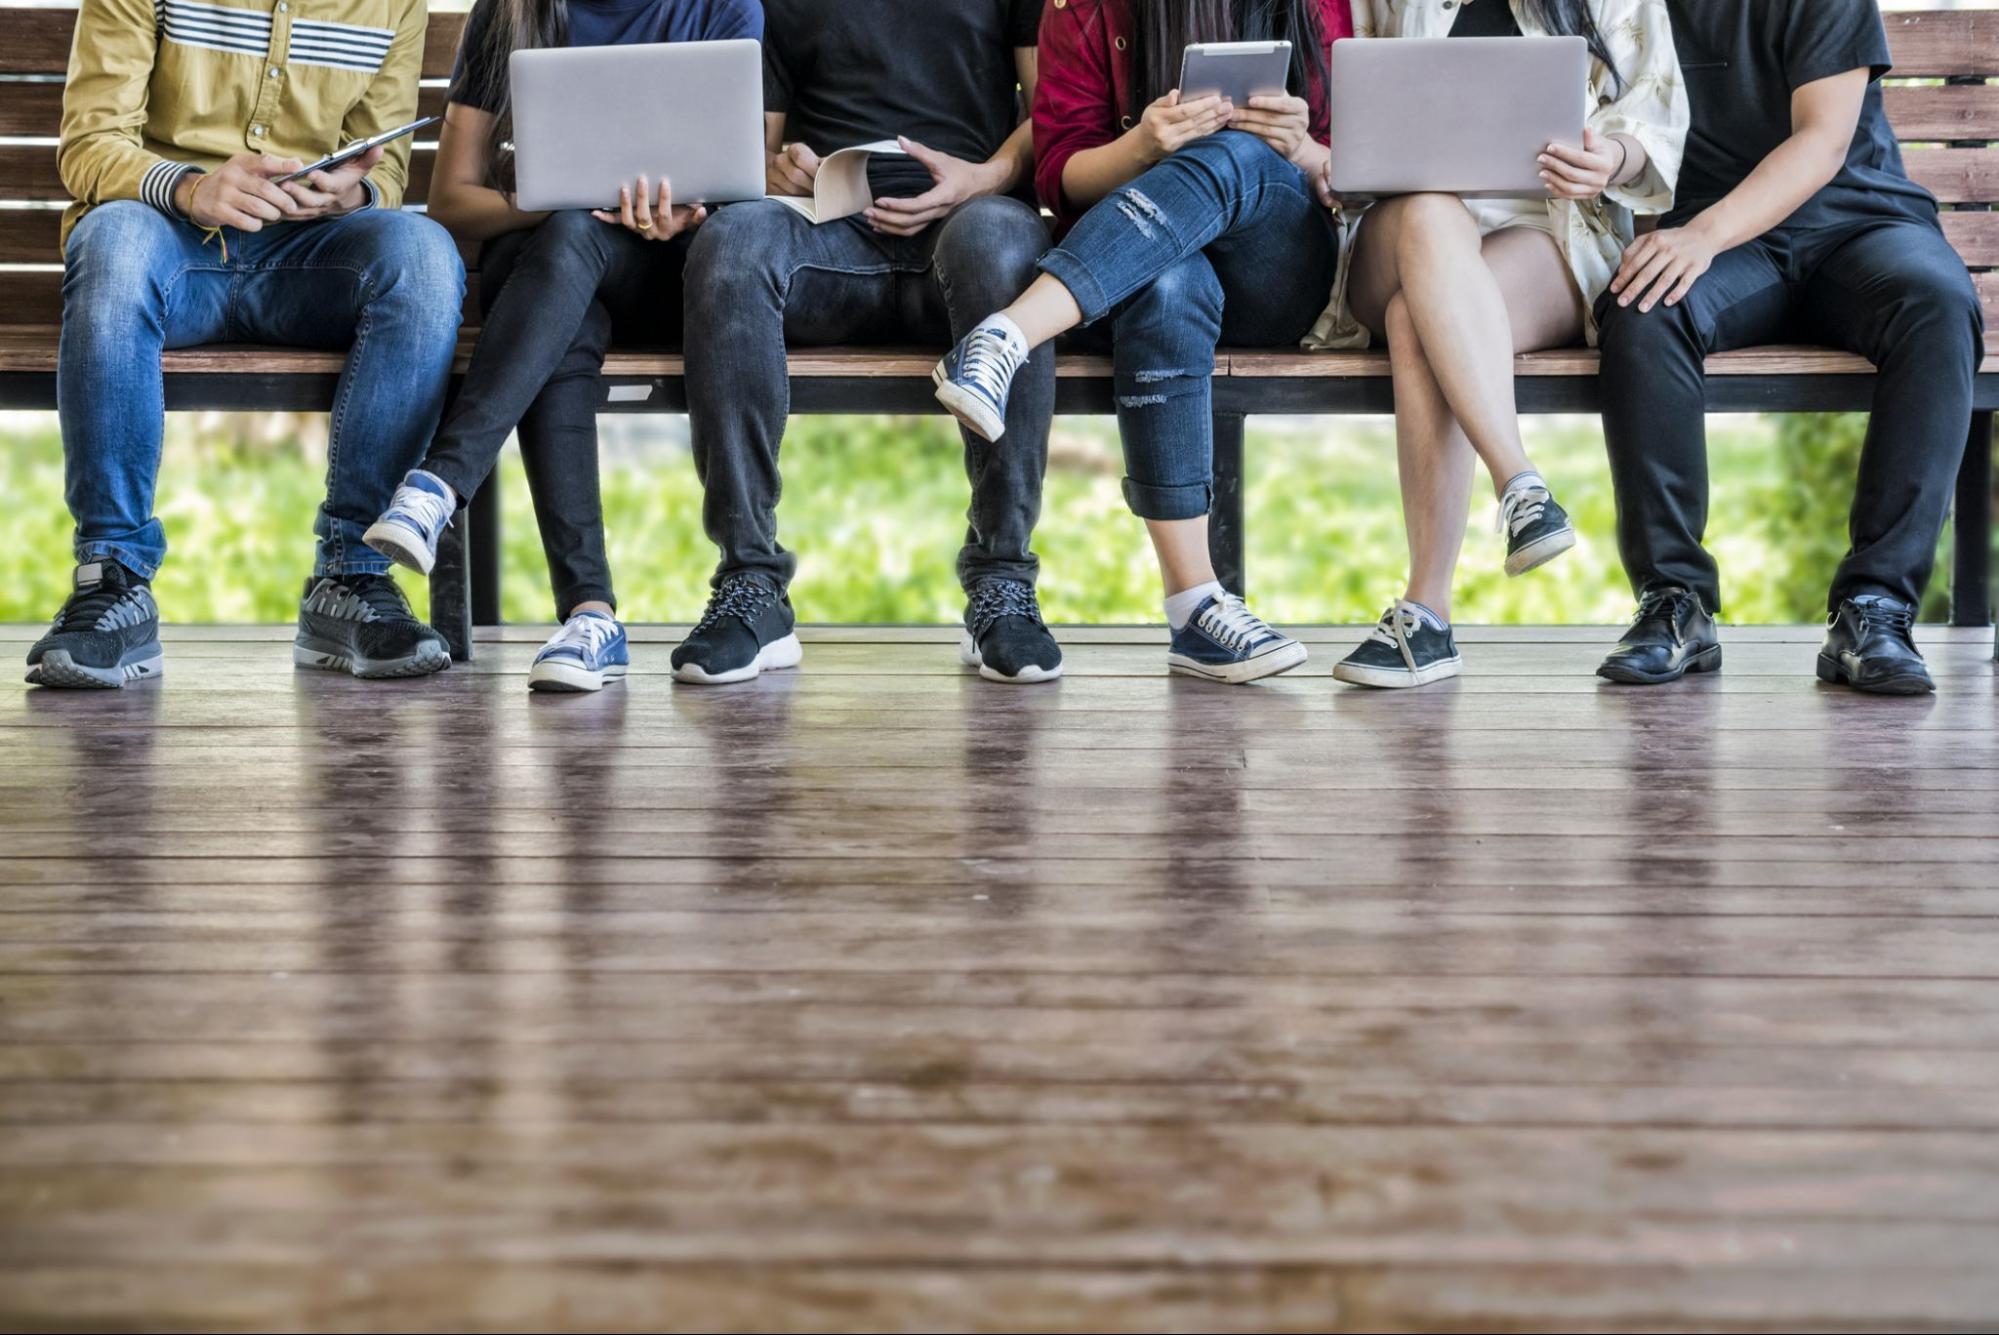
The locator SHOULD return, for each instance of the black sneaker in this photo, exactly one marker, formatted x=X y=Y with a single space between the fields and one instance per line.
x=1537 y=530
x=1005 y=637
x=748 y=627
x=1671 y=636
x=1870 y=645
x=361 y=624
x=107 y=634
x=1405 y=650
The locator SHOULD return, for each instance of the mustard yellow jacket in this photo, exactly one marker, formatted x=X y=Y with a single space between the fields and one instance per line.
x=158 y=88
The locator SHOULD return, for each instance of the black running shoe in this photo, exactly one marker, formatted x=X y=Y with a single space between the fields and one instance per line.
x=1537 y=529
x=1870 y=645
x=1405 y=650
x=1005 y=637
x=748 y=627
x=361 y=624
x=107 y=634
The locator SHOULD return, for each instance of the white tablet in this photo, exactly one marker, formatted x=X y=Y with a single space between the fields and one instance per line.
x=1236 y=70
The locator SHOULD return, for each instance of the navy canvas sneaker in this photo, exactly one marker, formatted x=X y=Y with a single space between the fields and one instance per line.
x=1404 y=650
x=975 y=377
x=748 y=627
x=1005 y=637
x=107 y=634
x=408 y=530
x=588 y=650
x=1537 y=529
x=361 y=624
x=1225 y=641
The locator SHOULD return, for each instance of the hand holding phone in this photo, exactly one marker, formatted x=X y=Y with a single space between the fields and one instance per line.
x=332 y=191
x=358 y=148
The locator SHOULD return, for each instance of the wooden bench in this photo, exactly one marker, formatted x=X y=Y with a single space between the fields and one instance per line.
x=1950 y=125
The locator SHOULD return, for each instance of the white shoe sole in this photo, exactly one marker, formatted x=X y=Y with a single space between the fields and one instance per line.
x=1392 y=679
x=57 y=669
x=324 y=657
x=968 y=654
x=1241 y=674
x=401 y=544
x=773 y=657
x=976 y=415
x=1536 y=555
x=567 y=678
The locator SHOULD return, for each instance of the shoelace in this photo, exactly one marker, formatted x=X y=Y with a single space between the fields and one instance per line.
x=991 y=358
x=380 y=595
x=85 y=609
x=741 y=597
x=1522 y=507
x=586 y=634
x=995 y=598
x=1897 y=621
x=1230 y=623
x=1663 y=602
x=1397 y=624
x=430 y=509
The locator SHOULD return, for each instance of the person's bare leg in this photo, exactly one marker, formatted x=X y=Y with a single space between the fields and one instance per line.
x=1045 y=311
x=1182 y=548
x=1436 y=464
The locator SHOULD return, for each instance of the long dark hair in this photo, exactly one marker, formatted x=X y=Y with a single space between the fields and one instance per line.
x=1574 y=18
x=1166 y=28
x=515 y=25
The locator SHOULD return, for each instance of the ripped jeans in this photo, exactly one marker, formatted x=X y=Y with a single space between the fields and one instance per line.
x=1222 y=242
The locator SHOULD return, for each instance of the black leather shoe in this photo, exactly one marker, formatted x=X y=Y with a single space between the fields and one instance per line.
x=1870 y=645
x=1671 y=636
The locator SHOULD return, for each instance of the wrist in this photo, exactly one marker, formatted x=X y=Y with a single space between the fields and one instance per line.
x=184 y=191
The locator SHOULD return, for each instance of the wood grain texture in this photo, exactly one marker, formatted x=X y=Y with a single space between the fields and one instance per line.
x=874 y=996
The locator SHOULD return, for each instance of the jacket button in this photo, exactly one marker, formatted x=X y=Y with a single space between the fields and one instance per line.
x=1124 y=122
x=1061 y=4
x=1120 y=44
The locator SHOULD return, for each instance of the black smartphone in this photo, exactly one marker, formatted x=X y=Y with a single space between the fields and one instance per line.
x=357 y=148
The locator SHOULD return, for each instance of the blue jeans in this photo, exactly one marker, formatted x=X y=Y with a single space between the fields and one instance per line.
x=1223 y=241
x=386 y=286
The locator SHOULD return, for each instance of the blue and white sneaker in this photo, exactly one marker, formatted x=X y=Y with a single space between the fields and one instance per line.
x=408 y=530
x=588 y=651
x=975 y=377
x=1225 y=641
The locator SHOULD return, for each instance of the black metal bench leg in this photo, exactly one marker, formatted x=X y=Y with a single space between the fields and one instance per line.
x=451 y=591
x=1971 y=577
x=1225 y=535
x=484 y=541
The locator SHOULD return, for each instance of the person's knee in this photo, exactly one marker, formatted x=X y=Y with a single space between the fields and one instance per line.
x=1428 y=223
x=118 y=254
x=740 y=248
x=1236 y=152
x=414 y=266
x=1188 y=290
x=1634 y=340
x=991 y=245
x=1939 y=314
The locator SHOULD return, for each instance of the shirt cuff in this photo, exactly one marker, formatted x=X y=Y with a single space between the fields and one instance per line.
x=158 y=186
x=371 y=197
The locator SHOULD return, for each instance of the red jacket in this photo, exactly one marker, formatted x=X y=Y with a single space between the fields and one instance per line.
x=1088 y=90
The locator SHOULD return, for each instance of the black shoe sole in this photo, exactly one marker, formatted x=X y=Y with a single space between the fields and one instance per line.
x=323 y=656
x=1707 y=660
x=1834 y=673
x=61 y=672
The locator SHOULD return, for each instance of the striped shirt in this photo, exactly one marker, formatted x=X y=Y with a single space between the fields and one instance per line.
x=159 y=88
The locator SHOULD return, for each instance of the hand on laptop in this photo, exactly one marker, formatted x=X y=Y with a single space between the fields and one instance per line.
x=791 y=172
x=956 y=181
x=326 y=194
x=1581 y=173
x=652 y=214
x=1169 y=125
x=242 y=193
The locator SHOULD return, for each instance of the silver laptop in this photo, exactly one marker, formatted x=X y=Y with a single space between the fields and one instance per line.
x=1458 y=115
x=589 y=119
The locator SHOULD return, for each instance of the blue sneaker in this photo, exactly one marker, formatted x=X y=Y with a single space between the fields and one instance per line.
x=407 y=531
x=975 y=377
x=1225 y=641
x=588 y=651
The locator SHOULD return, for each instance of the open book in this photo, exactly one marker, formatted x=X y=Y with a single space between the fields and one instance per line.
x=840 y=190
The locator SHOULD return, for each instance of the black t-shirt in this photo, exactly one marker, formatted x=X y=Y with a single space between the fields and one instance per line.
x=478 y=80
x=847 y=72
x=1486 y=18
x=1742 y=60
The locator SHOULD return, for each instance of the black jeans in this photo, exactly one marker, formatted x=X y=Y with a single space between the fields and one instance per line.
x=1891 y=290
x=553 y=297
x=759 y=274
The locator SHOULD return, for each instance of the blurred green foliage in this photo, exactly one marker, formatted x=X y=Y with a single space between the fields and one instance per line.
x=874 y=506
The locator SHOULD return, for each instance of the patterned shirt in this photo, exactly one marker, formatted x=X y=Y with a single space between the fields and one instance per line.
x=159 y=88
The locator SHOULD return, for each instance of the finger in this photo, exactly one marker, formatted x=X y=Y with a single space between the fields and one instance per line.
x=1634 y=260
x=1200 y=106
x=256 y=206
x=625 y=208
x=923 y=153
x=807 y=160
x=1284 y=103
x=800 y=179
x=270 y=192
x=923 y=203
x=1664 y=284
x=642 y=203
x=663 y=210
x=1684 y=286
x=270 y=166
x=1643 y=278
x=1575 y=157
x=890 y=224
x=606 y=216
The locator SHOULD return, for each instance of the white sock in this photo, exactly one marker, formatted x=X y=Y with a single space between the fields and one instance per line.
x=1521 y=481
x=1004 y=323
x=1180 y=607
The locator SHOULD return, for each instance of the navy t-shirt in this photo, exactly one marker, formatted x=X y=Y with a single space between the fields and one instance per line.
x=1742 y=60
x=479 y=81
x=847 y=72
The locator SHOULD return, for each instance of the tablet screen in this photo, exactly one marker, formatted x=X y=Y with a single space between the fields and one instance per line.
x=1237 y=70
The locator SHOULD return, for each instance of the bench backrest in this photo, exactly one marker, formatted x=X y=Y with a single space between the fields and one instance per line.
x=1949 y=130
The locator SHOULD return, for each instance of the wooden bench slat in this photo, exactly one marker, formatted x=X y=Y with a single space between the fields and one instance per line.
x=1940 y=44
x=1937 y=113
x=38 y=41
x=1956 y=175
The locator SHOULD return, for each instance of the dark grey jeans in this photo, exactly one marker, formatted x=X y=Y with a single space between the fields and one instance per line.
x=758 y=275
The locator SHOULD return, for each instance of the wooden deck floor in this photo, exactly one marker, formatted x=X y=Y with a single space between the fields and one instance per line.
x=876 y=997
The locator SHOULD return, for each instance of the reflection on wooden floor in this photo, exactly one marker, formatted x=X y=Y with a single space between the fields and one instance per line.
x=878 y=997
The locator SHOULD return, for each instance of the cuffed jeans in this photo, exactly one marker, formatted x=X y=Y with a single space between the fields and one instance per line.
x=1222 y=241
x=383 y=285
x=1891 y=290
x=553 y=296
x=759 y=274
